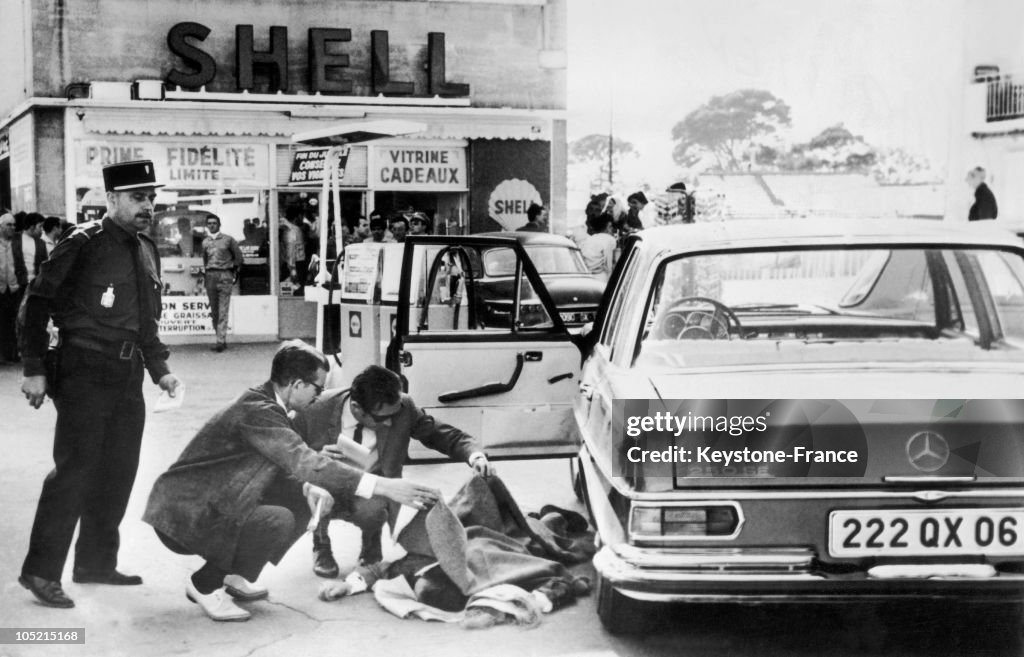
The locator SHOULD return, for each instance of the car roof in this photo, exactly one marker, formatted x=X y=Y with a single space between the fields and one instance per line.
x=528 y=237
x=753 y=233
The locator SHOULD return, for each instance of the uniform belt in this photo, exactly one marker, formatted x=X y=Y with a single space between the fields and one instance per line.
x=123 y=350
x=218 y=269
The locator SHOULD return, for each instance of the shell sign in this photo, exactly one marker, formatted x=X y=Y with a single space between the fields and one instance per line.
x=509 y=202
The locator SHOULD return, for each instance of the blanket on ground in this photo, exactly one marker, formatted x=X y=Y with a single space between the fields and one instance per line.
x=480 y=538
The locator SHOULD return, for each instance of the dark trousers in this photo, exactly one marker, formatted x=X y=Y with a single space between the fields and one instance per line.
x=100 y=418
x=265 y=536
x=369 y=515
x=9 y=302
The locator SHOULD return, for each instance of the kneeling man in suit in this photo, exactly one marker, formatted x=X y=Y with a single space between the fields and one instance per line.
x=369 y=427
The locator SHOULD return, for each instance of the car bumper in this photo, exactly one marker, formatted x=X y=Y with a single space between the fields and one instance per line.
x=789 y=575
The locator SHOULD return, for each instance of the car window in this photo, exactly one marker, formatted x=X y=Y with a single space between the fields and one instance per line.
x=618 y=302
x=454 y=296
x=499 y=262
x=554 y=259
x=1004 y=275
x=835 y=305
x=547 y=258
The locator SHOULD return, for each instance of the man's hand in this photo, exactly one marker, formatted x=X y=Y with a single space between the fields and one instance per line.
x=407 y=493
x=482 y=466
x=332 y=451
x=170 y=383
x=320 y=502
x=34 y=389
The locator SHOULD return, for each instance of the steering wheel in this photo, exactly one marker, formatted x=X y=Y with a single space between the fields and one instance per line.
x=690 y=318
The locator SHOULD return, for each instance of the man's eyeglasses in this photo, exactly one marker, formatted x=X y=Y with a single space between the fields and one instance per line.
x=382 y=417
x=316 y=386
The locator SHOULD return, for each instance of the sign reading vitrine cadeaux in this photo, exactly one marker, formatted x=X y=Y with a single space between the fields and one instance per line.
x=423 y=168
x=178 y=164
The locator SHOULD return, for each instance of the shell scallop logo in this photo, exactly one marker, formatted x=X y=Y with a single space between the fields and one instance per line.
x=509 y=202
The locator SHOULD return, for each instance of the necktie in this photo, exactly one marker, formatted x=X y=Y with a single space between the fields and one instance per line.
x=358 y=435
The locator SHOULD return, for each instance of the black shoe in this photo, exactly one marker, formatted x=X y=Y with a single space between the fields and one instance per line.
x=576 y=523
x=219 y=347
x=324 y=564
x=84 y=576
x=48 y=592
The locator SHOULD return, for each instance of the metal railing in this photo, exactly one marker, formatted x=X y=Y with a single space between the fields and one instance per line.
x=1005 y=99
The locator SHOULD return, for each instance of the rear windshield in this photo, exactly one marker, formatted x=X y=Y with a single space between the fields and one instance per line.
x=550 y=259
x=835 y=305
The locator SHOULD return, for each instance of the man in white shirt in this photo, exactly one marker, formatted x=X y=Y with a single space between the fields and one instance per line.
x=369 y=427
x=33 y=249
x=599 y=249
x=11 y=286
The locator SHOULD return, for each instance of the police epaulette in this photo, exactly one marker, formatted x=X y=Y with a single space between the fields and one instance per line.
x=89 y=229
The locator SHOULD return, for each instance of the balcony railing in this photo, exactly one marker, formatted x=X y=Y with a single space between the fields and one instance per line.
x=1005 y=99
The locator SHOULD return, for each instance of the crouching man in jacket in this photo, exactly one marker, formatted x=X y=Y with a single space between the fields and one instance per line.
x=369 y=427
x=245 y=488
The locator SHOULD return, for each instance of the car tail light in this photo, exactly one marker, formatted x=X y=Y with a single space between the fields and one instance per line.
x=653 y=522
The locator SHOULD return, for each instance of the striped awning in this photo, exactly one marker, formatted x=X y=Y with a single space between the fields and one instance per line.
x=164 y=119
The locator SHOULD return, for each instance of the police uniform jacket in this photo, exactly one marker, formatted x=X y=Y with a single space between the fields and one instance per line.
x=96 y=257
x=221 y=477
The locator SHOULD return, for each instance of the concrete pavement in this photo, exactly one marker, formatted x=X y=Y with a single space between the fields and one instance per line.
x=157 y=619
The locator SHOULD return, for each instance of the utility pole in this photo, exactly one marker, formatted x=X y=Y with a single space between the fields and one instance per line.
x=611 y=141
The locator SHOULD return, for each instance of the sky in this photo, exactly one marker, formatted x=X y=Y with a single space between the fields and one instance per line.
x=889 y=70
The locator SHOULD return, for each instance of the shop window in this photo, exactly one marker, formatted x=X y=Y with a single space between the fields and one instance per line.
x=179 y=227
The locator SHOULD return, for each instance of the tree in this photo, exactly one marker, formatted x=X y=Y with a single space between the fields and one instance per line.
x=588 y=158
x=728 y=130
x=595 y=148
x=895 y=166
x=834 y=150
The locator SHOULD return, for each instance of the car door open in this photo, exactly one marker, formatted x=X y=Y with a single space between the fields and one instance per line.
x=502 y=369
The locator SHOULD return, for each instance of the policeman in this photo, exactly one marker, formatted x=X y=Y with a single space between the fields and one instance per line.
x=101 y=286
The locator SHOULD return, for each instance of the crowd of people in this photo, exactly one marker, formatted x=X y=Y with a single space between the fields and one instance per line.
x=26 y=240
x=609 y=222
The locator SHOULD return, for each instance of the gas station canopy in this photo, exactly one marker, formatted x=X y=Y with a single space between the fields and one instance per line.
x=351 y=132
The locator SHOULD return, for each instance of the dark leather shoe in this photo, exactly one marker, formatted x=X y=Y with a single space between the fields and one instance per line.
x=47 y=591
x=83 y=576
x=324 y=564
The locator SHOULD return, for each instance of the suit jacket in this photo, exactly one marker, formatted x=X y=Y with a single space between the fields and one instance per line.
x=20 y=268
x=984 y=204
x=321 y=422
x=222 y=475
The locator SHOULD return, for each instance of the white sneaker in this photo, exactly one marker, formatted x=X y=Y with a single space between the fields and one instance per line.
x=217 y=605
x=242 y=589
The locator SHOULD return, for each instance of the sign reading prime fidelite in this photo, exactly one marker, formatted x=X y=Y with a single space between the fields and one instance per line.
x=785 y=438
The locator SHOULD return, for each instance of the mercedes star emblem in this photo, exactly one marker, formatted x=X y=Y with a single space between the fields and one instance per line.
x=927 y=451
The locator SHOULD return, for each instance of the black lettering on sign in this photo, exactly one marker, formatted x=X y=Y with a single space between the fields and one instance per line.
x=205 y=67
